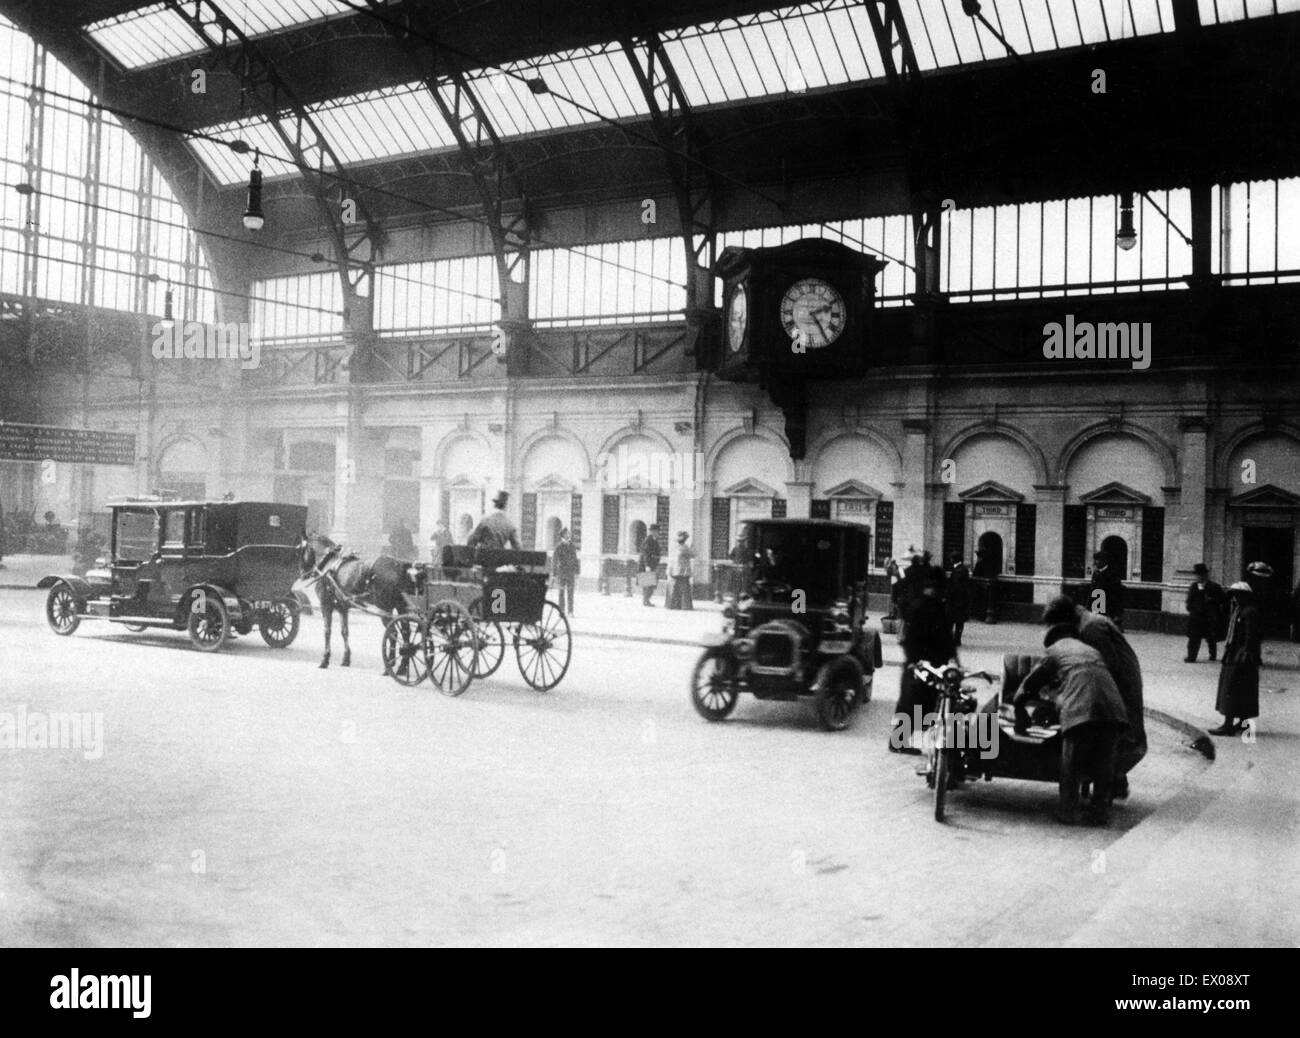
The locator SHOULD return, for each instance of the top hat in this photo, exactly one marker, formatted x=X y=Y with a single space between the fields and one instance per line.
x=1200 y=567
x=500 y=500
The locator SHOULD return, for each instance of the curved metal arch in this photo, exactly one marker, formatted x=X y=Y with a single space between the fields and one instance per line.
x=694 y=191
x=180 y=168
x=489 y=162
x=310 y=149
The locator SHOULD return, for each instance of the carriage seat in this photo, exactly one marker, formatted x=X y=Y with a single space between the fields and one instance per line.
x=459 y=556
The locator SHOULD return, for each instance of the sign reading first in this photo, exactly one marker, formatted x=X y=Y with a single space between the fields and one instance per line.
x=20 y=442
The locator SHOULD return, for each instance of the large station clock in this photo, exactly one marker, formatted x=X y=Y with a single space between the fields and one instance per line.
x=800 y=308
x=795 y=313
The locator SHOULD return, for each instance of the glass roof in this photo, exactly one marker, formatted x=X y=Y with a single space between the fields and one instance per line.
x=155 y=33
x=815 y=45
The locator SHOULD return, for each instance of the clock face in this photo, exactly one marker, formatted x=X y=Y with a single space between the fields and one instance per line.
x=812 y=313
x=737 y=318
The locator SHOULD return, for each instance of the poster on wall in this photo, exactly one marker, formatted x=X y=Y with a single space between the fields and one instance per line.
x=19 y=442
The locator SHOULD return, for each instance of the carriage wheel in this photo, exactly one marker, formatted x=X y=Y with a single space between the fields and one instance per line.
x=61 y=610
x=209 y=626
x=543 y=649
x=491 y=642
x=451 y=647
x=279 y=624
x=403 y=649
x=713 y=686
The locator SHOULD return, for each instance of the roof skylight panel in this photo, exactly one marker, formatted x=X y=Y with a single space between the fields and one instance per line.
x=145 y=36
x=1217 y=12
x=153 y=34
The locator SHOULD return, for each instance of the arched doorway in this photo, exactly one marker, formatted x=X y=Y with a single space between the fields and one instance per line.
x=1115 y=548
x=553 y=528
x=988 y=555
x=636 y=534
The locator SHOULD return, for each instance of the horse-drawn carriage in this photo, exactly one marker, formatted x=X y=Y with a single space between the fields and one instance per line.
x=464 y=612
x=215 y=569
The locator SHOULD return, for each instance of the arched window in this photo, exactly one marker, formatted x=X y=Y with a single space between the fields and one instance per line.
x=988 y=555
x=1115 y=548
x=636 y=534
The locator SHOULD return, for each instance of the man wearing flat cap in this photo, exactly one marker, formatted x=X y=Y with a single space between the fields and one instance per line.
x=495 y=530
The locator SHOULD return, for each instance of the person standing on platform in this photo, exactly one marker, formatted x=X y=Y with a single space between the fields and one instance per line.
x=1093 y=718
x=1106 y=592
x=895 y=574
x=565 y=566
x=648 y=562
x=914 y=579
x=927 y=637
x=440 y=538
x=1238 y=698
x=1205 y=601
x=495 y=530
x=401 y=542
x=958 y=598
x=679 y=573
x=1104 y=635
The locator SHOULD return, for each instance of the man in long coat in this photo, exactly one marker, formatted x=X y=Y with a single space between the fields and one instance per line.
x=648 y=562
x=1102 y=634
x=958 y=598
x=1204 y=614
x=1092 y=714
x=1106 y=593
x=927 y=637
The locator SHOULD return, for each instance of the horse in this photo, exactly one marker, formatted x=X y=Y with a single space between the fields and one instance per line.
x=340 y=585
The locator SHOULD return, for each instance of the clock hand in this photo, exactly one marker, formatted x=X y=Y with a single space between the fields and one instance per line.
x=825 y=334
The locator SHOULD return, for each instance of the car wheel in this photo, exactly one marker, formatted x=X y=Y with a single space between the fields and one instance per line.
x=714 y=690
x=279 y=625
x=839 y=690
x=61 y=610
x=209 y=623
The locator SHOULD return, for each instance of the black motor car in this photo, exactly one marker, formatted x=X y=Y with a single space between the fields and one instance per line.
x=215 y=569
x=800 y=628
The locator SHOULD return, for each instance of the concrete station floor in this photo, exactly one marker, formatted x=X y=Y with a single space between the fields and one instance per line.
x=249 y=798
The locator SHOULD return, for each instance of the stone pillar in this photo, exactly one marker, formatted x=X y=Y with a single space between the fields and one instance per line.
x=1190 y=507
x=589 y=553
x=910 y=503
x=798 y=498
x=1049 y=534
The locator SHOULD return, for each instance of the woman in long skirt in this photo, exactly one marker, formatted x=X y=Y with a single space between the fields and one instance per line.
x=1238 y=699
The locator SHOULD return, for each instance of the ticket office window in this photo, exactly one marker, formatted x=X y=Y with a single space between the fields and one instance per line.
x=743 y=509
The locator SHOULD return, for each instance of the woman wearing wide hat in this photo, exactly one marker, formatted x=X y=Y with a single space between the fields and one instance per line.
x=1238 y=699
